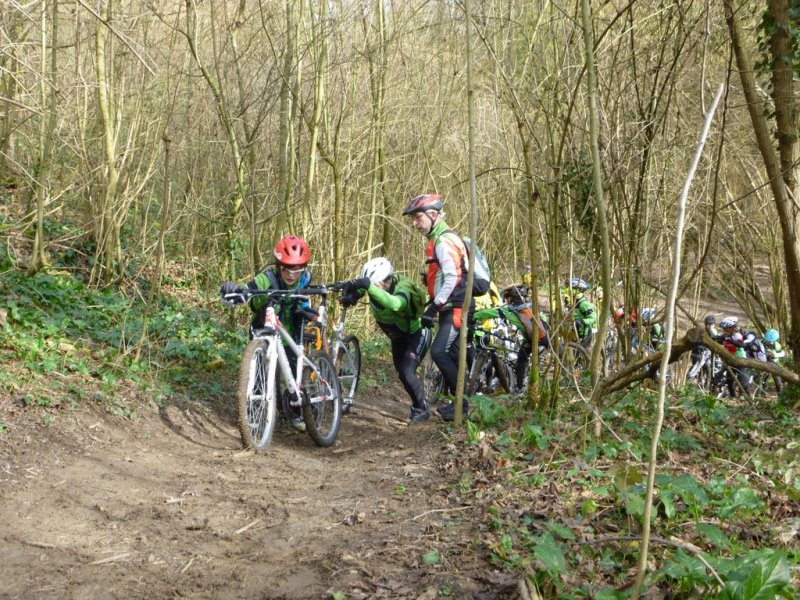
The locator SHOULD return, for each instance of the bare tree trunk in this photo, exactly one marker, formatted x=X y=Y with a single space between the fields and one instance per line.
x=779 y=171
x=106 y=234
x=155 y=281
x=49 y=97
x=377 y=79
x=533 y=390
x=227 y=122
x=16 y=30
x=602 y=223
x=670 y=330
x=320 y=45
x=287 y=164
x=473 y=222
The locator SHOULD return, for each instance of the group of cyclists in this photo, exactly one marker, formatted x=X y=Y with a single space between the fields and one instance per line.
x=391 y=300
x=407 y=312
x=740 y=342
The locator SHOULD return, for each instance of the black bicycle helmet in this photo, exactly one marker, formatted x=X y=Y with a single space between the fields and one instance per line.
x=710 y=320
x=424 y=203
x=514 y=294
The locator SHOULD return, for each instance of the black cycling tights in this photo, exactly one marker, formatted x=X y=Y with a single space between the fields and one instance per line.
x=444 y=350
x=405 y=355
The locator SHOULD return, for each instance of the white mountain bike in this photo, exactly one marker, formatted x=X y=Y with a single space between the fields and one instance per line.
x=313 y=387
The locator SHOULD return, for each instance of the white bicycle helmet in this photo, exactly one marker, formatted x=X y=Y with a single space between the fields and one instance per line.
x=378 y=269
x=728 y=322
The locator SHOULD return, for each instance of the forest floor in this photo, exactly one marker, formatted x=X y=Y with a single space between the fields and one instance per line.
x=168 y=505
x=108 y=493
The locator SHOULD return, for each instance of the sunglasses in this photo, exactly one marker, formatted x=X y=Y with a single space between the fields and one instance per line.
x=289 y=271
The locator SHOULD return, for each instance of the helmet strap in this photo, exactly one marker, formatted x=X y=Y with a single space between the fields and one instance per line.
x=433 y=221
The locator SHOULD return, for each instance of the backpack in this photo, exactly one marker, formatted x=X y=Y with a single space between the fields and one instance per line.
x=524 y=313
x=417 y=296
x=483 y=275
x=754 y=347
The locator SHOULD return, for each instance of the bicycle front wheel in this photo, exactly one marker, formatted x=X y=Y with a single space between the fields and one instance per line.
x=322 y=402
x=432 y=380
x=256 y=397
x=476 y=378
x=348 y=366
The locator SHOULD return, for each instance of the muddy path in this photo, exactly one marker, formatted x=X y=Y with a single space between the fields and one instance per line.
x=97 y=506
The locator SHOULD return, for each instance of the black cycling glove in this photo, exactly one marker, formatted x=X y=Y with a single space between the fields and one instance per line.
x=429 y=316
x=228 y=289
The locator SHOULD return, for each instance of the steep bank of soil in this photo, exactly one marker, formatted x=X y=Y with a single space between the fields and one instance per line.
x=96 y=506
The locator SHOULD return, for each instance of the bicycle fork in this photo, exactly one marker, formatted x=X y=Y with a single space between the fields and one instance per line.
x=290 y=378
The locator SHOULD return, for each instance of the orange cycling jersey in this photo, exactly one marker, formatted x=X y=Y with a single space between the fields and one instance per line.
x=446 y=277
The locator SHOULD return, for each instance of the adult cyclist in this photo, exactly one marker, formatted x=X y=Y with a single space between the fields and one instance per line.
x=583 y=312
x=391 y=302
x=446 y=280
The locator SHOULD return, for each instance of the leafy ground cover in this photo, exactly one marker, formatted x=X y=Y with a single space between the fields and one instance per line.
x=514 y=505
x=566 y=509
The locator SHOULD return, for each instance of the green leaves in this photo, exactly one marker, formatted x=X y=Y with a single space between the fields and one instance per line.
x=550 y=554
x=685 y=488
x=714 y=535
x=741 y=499
x=762 y=575
x=625 y=476
x=534 y=435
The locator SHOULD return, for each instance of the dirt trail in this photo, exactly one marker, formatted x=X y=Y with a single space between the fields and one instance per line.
x=96 y=506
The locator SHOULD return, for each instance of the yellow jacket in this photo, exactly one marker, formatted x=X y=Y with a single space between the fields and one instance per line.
x=488 y=300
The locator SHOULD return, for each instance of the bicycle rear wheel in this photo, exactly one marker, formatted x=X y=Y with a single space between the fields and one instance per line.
x=256 y=397
x=506 y=373
x=486 y=365
x=322 y=402
x=348 y=367
x=702 y=378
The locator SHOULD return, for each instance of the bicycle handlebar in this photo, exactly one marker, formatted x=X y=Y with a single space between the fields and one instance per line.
x=336 y=286
x=304 y=293
x=247 y=293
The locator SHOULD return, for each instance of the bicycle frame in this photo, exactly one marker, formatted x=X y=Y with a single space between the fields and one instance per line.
x=273 y=329
x=329 y=329
x=343 y=348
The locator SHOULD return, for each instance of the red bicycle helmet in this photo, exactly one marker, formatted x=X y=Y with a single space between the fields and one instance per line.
x=424 y=203
x=292 y=251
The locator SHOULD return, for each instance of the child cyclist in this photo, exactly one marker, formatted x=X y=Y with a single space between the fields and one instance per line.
x=395 y=305
x=774 y=352
x=290 y=271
